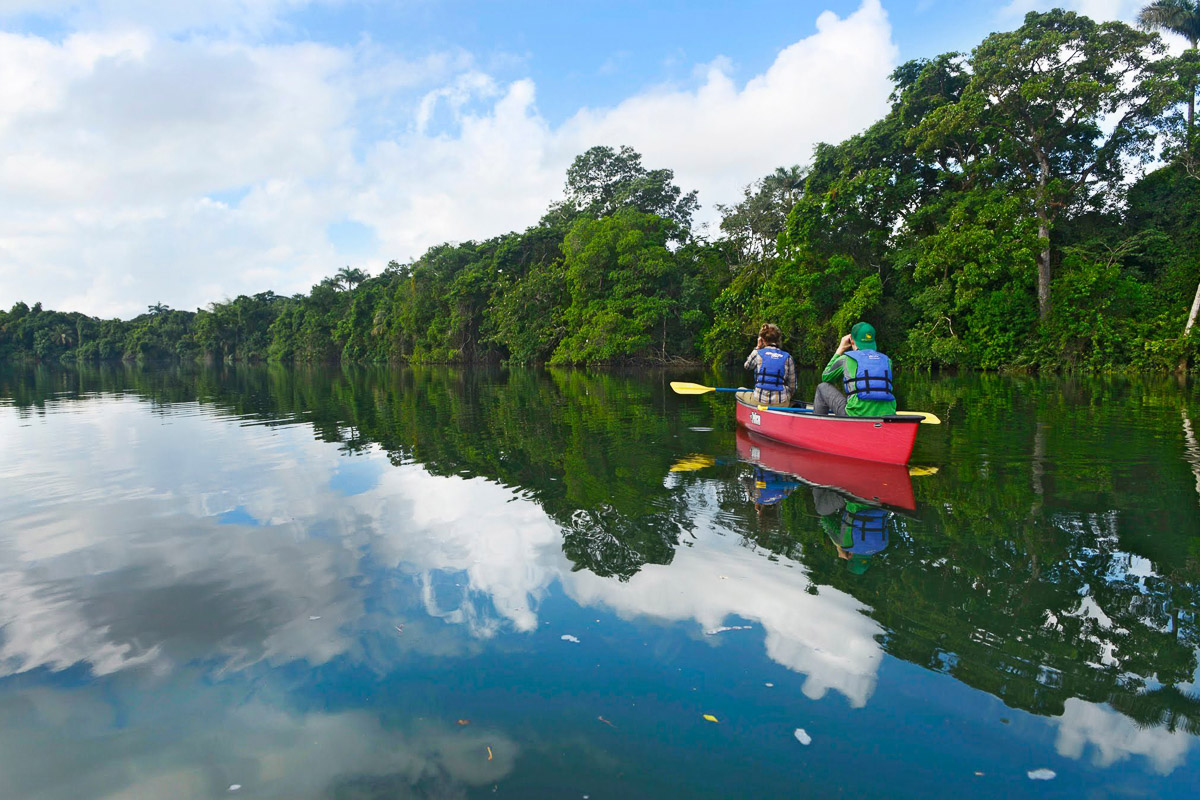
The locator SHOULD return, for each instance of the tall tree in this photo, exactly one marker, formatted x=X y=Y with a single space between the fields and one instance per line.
x=602 y=181
x=753 y=225
x=1072 y=100
x=1181 y=17
x=349 y=278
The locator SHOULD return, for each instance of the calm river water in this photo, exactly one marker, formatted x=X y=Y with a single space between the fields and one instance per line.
x=271 y=583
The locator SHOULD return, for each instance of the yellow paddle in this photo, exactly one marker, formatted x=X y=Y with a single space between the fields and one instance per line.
x=693 y=462
x=680 y=387
x=698 y=461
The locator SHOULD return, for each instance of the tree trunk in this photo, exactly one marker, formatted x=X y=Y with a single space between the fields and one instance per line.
x=1191 y=119
x=1191 y=320
x=1191 y=447
x=1191 y=107
x=1043 y=266
x=1043 y=216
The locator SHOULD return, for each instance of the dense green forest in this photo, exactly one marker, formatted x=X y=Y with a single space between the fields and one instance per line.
x=1033 y=204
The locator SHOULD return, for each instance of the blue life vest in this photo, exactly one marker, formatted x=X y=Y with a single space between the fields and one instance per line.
x=771 y=487
x=867 y=529
x=873 y=377
x=772 y=370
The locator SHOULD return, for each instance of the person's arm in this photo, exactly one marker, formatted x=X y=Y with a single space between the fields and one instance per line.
x=834 y=370
x=753 y=360
x=789 y=375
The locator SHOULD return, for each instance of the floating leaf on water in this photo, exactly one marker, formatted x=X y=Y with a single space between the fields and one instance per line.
x=711 y=718
x=566 y=637
x=1042 y=774
x=464 y=722
x=233 y=787
x=723 y=628
x=802 y=736
x=606 y=722
x=769 y=685
x=489 y=754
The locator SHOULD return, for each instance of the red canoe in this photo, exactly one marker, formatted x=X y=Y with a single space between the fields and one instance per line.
x=886 y=439
x=871 y=481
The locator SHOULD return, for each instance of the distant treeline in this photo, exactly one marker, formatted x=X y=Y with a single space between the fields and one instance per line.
x=993 y=218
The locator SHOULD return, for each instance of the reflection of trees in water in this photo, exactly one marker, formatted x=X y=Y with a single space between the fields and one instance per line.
x=608 y=543
x=1039 y=571
x=1019 y=578
x=589 y=448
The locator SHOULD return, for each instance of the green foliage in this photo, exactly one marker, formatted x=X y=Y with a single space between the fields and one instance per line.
x=628 y=292
x=603 y=181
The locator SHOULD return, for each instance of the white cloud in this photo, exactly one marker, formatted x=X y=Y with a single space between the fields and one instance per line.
x=1116 y=737
x=114 y=139
x=825 y=635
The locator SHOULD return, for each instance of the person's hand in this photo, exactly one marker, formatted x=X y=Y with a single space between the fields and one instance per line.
x=846 y=344
x=761 y=344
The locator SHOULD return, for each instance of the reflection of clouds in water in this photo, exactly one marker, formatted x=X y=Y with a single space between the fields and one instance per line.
x=1116 y=737
x=122 y=557
x=143 y=571
x=509 y=550
x=824 y=636
x=194 y=742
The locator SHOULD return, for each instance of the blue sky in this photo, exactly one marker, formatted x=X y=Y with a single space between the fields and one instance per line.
x=191 y=151
x=596 y=52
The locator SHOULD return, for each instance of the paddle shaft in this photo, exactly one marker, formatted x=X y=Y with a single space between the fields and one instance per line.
x=680 y=387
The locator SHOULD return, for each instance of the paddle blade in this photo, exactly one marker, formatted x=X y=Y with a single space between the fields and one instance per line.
x=693 y=462
x=679 y=387
x=921 y=472
x=929 y=419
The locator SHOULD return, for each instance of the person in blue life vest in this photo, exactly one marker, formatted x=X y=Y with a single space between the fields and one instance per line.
x=768 y=489
x=774 y=370
x=857 y=381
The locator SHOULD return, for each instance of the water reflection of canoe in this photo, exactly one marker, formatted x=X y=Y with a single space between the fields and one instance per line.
x=872 y=481
x=886 y=439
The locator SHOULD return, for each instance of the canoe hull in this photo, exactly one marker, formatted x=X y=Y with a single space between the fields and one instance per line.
x=869 y=481
x=888 y=439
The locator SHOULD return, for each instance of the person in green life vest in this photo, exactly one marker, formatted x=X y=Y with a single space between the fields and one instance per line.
x=858 y=530
x=857 y=381
x=774 y=370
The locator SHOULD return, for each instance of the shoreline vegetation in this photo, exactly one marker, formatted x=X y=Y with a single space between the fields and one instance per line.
x=998 y=217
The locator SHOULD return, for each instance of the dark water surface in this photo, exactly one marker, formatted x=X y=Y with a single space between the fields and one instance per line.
x=272 y=583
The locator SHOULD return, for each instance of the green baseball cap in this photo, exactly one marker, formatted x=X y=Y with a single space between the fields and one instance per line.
x=863 y=335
